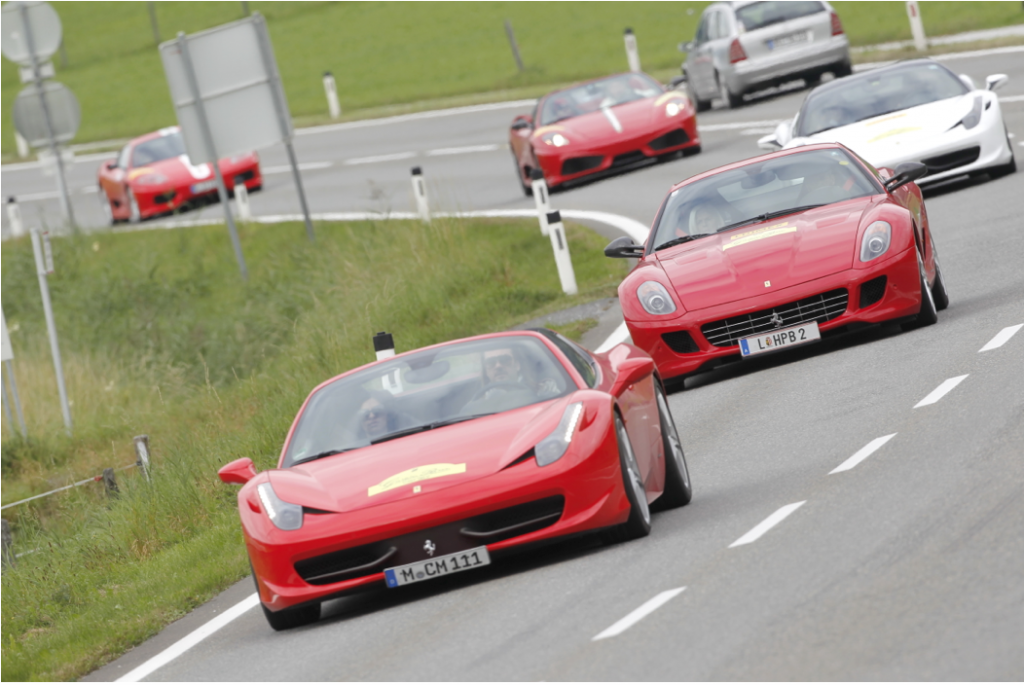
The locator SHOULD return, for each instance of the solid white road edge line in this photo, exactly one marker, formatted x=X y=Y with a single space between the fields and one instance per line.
x=380 y=158
x=618 y=336
x=462 y=150
x=637 y=614
x=937 y=394
x=190 y=640
x=306 y=166
x=862 y=454
x=766 y=525
x=1001 y=337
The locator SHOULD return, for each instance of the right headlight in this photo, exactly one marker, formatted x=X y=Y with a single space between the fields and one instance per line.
x=876 y=241
x=550 y=449
x=654 y=298
x=284 y=515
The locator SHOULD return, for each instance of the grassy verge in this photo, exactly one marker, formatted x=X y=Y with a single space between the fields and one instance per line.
x=387 y=57
x=160 y=336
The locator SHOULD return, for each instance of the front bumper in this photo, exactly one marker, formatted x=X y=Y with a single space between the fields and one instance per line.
x=901 y=298
x=166 y=198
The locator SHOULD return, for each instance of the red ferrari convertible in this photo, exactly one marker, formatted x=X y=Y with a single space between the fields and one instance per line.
x=438 y=460
x=153 y=175
x=774 y=252
x=601 y=126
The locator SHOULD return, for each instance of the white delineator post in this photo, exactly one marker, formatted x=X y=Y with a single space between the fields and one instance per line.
x=14 y=216
x=540 y=196
x=44 y=266
x=22 y=144
x=419 y=189
x=242 y=201
x=560 y=246
x=632 y=54
x=916 y=26
x=331 y=90
x=142 y=453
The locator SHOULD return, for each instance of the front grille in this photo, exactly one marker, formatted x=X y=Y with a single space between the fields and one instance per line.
x=575 y=165
x=872 y=291
x=244 y=176
x=680 y=342
x=164 y=198
x=820 y=308
x=628 y=158
x=488 y=528
x=952 y=160
x=670 y=139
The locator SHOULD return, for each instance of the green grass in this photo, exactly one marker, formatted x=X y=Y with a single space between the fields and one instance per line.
x=160 y=336
x=388 y=55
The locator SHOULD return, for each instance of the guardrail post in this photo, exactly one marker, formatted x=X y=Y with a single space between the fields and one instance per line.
x=142 y=454
x=242 y=201
x=563 y=261
x=110 y=483
x=632 y=54
x=331 y=89
x=8 y=554
x=541 y=198
x=14 y=216
x=916 y=26
x=419 y=189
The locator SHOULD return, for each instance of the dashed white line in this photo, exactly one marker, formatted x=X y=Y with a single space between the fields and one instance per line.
x=307 y=166
x=769 y=523
x=380 y=158
x=191 y=640
x=637 y=614
x=1001 y=337
x=462 y=150
x=939 y=392
x=862 y=454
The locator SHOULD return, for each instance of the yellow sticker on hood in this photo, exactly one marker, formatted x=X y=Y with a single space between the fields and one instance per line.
x=141 y=171
x=894 y=132
x=414 y=475
x=759 y=234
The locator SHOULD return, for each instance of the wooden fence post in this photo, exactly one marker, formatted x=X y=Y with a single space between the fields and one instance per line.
x=110 y=483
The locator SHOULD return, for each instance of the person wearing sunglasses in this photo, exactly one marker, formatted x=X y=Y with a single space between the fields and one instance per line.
x=503 y=371
x=377 y=418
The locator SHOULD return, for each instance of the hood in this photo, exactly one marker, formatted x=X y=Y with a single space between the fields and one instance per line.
x=420 y=463
x=888 y=139
x=737 y=264
x=178 y=169
x=634 y=118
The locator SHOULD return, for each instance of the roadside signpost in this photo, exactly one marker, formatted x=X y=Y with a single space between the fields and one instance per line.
x=7 y=357
x=44 y=267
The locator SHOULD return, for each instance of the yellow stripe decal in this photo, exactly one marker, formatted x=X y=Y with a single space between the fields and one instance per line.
x=414 y=475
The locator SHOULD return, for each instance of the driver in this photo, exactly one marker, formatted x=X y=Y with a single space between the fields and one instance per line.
x=705 y=219
x=562 y=109
x=831 y=183
x=501 y=366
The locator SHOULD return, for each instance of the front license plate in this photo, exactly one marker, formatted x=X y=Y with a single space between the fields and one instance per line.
x=780 y=339
x=440 y=566
x=204 y=186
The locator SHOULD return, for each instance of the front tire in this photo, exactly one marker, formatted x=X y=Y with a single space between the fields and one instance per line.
x=698 y=104
x=939 y=293
x=732 y=101
x=1008 y=168
x=287 y=618
x=134 y=214
x=106 y=209
x=678 y=490
x=638 y=524
x=929 y=314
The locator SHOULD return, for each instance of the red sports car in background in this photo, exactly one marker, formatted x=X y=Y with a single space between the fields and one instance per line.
x=435 y=461
x=153 y=175
x=602 y=125
x=775 y=251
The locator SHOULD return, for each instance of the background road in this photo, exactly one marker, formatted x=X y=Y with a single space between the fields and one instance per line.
x=905 y=566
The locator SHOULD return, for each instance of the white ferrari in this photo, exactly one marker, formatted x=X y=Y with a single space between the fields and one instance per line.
x=915 y=111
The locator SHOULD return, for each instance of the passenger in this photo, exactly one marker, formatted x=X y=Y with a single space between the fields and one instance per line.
x=377 y=418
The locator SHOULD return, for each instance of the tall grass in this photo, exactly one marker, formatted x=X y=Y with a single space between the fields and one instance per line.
x=160 y=336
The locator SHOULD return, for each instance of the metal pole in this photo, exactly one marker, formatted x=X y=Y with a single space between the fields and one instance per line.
x=51 y=327
x=17 y=402
x=153 y=22
x=281 y=107
x=204 y=124
x=512 y=41
x=65 y=200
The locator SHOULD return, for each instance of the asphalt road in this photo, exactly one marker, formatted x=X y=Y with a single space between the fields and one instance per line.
x=904 y=566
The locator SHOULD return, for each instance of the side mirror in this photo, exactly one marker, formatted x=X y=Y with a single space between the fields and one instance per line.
x=777 y=140
x=112 y=164
x=996 y=81
x=624 y=247
x=630 y=366
x=240 y=471
x=522 y=121
x=905 y=173
x=686 y=47
x=968 y=81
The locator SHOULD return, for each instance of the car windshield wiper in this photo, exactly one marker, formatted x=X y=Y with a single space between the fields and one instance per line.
x=426 y=427
x=325 y=453
x=675 y=241
x=770 y=215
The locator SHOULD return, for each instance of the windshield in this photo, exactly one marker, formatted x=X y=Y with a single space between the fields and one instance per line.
x=158 y=149
x=590 y=97
x=759 y=191
x=426 y=390
x=760 y=14
x=873 y=94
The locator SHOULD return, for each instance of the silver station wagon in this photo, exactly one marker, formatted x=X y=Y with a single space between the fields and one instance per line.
x=743 y=47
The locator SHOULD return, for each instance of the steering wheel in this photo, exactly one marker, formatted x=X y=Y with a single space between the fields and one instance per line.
x=506 y=386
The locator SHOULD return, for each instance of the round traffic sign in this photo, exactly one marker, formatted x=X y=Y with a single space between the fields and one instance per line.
x=45 y=26
x=65 y=114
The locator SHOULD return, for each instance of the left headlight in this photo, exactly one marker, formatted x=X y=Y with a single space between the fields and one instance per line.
x=550 y=449
x=556 y=139
x=973 y=117
x=876 y=241
x=673 y=108
x=151 y=179
x=654 y=298
x=284 y=515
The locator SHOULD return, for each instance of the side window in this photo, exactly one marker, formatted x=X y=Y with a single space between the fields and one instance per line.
x=715 y=26
x=702 y=30
x=583 y=362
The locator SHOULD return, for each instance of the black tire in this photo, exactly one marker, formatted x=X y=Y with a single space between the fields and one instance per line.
x=288 y=618
x=1005 y=169
x=638 y=524
x=929 y=314
x=939 y=294
x=106 y=209
x=691 y=151
x=526 y=187
x=732 y=100
x=698 y=104
x=134 y=214
x=842 y=69
x=678 y=489
x=813 y=80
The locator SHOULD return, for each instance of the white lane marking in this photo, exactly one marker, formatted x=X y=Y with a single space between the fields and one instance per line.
x=307 y=166
x=938 y=393
x=618 y=336
x=637 y=614
x=766 y=525
x=380 y=158
x=866 y=66
x=1011 y=98
x=52 y=194
x=463 y=150
x=434 y=114
x=862 y=454
x=612 y=119
x=768 y=123
x=189 y=641
x=1001 y=337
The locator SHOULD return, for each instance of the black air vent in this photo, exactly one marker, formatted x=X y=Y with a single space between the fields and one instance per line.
x=872 y=291
x=575 y=165
x=680 y=342
x=670 y=139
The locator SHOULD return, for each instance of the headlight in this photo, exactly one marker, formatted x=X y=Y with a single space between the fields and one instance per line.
x=674 y=108
x=151 y=179
x=655 y=299
x=550 y=449
x=284 y=515
x=556 y=139
x=876 y=241
x=974 y=116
